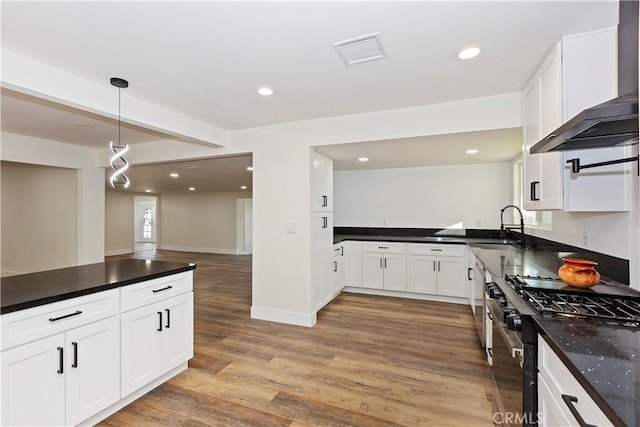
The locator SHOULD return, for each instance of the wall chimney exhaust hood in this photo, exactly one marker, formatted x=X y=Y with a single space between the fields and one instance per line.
x=615 y=122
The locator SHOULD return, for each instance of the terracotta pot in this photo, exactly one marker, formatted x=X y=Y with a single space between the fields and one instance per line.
x=579 y=273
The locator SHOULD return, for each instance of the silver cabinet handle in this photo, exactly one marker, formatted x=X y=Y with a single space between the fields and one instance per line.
x=434 y=266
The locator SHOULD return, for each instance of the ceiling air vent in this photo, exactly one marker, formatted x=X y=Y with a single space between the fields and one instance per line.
x=361 y=49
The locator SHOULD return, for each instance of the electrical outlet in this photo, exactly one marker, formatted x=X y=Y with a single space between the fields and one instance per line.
x=384 y=222
x=586 y=237
x=478 y=223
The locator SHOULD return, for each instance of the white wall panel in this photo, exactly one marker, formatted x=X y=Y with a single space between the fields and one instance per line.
x=39 y=218
x=199 y=222
x=469 y=196
x=119 y=222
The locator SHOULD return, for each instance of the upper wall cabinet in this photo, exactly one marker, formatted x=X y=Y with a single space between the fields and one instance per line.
x=590 y=77
x=321 y=183
x=580 y=72
x=542 y=114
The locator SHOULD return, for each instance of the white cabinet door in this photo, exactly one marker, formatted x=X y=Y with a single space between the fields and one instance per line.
x=338 y=264
x=531 y=162
x=550 y=411
x=33 y=383
x=177 y=331
x=321 y=182
x=92 y=369
x=321 y=257
x=395 y=272
x=352 y=263
x=551 y=169
x=542 y=114
x=422 y=274
x=589 y=77
x=140 y=340
x=372 y=270
x=155 y=339
x=451 y=277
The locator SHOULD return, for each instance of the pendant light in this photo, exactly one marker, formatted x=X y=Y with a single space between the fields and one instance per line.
x=118 y=162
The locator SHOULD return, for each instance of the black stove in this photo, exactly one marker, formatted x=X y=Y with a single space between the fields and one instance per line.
x=604 y=302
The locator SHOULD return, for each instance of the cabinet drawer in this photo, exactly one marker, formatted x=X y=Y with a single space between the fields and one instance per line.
x=437 y=250
x=150 y=291
x=385 y=247
x=38 y=322
x=560 y=381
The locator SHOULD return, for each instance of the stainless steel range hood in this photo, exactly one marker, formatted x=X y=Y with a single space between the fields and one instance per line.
x=615 y=122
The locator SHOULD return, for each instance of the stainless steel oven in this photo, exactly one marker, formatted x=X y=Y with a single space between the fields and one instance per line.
x=508 y=361
x=513 y=350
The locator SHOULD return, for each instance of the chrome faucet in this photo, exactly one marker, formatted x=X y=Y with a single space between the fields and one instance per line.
x=504 y=228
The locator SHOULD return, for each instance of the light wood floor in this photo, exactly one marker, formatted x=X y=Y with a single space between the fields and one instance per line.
x=369 y=361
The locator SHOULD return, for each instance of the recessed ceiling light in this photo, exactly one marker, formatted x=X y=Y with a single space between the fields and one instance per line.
x=192 y=188
x=147 y=191
x=249 y=168
x=265 y=91
x=471 y=151
x=363 y=159
x=469 y=52
x=244 y=187
x=174 y=175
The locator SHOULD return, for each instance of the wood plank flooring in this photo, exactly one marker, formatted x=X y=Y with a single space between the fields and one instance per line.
x=369 y=361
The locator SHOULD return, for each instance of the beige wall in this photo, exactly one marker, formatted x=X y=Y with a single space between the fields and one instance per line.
x=199 y=222
x=39 y=218
x=118 y=222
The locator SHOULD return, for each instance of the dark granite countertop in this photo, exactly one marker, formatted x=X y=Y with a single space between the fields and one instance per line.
x=459 y=240
x=605 y=359
x=45 y=287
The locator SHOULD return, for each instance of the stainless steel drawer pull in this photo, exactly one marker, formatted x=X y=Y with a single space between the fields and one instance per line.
x=383 y=247
x=435 y=250
x=162 y=289
x=570 y=400
x=54 y=319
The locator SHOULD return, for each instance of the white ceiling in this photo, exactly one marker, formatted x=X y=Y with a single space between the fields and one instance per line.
x=206 y=59
x=206 y=176
x=493 y=146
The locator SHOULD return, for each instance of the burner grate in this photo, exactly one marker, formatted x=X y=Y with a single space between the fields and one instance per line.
x=601 y=307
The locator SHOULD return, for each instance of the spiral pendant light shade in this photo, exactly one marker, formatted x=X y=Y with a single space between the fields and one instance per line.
x=118 y=162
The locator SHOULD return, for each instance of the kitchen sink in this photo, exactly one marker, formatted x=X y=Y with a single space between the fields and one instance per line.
x=496 y=246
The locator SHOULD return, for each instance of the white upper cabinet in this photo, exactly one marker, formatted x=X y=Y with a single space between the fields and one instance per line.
x=321 y=182
x=590 y=77
x=580 y=72
x=542 y=114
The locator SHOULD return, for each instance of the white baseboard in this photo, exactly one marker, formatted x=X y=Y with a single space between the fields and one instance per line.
x=281 y=316
x=200 y=250
x=118 y=252
x=411 y=295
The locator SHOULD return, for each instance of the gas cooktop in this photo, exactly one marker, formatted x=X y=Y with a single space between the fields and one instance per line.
x=603 y=302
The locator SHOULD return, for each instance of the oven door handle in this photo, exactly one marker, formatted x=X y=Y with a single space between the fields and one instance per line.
x=514 y=343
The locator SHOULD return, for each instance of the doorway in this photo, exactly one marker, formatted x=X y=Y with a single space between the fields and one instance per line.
x=146 y=224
